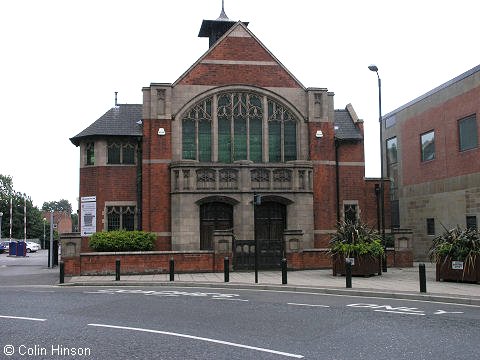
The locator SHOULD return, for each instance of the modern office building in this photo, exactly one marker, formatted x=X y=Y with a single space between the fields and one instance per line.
x=432 y=158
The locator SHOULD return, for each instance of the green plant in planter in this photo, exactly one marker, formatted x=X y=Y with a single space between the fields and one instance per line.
x=457 y=245
x=355 y=238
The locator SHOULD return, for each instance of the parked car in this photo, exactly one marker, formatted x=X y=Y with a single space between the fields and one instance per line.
x=6 y=245
x=32 y=247
x=2 y=248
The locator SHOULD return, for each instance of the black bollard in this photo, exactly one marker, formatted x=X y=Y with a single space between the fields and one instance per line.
x=172 y=269
x=423 y=278
x=62 y=272
x=226 y=269
x=117 y=270
x=284 y=271
x=348 y=274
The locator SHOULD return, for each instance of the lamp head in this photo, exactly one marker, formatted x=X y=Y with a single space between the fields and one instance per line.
x=373 y=68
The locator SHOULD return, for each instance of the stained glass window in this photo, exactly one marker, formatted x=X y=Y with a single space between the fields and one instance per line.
x=90 y=154
x=239 y=123
x=113 y=153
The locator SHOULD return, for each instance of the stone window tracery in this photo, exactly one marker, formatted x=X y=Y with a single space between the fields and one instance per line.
x=239 y=119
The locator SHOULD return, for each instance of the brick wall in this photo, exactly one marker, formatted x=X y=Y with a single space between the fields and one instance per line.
x=108 y=183
x=449 y=161
x=156 y=208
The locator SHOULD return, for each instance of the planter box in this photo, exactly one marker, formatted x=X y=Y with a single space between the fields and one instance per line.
x=364 y=265
x=449 y=270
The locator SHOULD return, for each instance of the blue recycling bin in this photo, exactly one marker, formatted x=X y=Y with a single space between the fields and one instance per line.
x=12 y=248
x=21 y=248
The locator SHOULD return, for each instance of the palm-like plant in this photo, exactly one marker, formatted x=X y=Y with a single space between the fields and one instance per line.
x=355 y=238
x=458 y=245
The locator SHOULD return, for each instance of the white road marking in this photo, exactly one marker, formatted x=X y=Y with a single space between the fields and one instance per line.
x=201 y=339
x=312 y=305
x=21 y=318
x=399 y=312
x=441 y=312
x=229 y=299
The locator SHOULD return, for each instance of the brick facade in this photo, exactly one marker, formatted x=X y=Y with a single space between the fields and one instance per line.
x=173 y=189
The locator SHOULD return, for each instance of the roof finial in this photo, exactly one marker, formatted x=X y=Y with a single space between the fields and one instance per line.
x=223 y=16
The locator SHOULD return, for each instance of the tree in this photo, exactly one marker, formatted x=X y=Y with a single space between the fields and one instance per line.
x=19 y=201
x=61 y=205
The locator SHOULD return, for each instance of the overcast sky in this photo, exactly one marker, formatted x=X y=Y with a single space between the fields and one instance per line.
x=62 y=60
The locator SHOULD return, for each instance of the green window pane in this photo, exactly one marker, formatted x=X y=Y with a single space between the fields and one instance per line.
x=188 y=140
x=205 y=140
x=274 y=141
x=290 y=139
x=224 y=140
x=90 y=157
x=113 y=154
x=128 y=154
x=256 y=140
x=240 y=141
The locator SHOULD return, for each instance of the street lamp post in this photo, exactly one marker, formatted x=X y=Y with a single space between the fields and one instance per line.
x=44 y=222
x=374 y=68
x=1 y=216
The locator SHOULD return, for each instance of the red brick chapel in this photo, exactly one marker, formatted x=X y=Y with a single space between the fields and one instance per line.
x=236 y=126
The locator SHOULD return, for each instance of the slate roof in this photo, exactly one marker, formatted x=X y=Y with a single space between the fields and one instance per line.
x=345 y=128
x=120 y=120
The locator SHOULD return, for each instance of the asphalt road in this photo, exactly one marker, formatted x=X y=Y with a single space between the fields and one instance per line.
x=202 y=323
x=30 y=270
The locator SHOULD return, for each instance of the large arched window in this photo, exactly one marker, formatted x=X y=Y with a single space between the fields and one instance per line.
x=239 y=119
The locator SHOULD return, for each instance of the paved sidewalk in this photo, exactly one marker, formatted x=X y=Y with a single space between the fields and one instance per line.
x=395 y=283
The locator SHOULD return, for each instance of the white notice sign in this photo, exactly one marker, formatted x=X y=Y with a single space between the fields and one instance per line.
x=89 y=215
x=457 y=265
x=350 y=260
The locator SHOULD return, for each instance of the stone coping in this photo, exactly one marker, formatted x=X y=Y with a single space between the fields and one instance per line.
x=147 y=252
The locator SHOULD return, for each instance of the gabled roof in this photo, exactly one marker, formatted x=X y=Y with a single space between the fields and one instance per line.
x=220 y=59
x=345 y=128
x=121 y=120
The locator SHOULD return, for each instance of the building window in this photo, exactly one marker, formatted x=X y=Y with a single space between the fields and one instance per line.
x=120 y=153
x=90 y=153
x=472 y=222
x=120 y=218
x=430 y=226
x=392 y=151
x=240 y=119
x=350 y=213
x=427 y=141
x=468 y=133
x=389 y=122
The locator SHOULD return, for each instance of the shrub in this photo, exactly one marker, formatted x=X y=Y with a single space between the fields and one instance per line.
x=122 y=240
x=355 y=238
x=456 y=244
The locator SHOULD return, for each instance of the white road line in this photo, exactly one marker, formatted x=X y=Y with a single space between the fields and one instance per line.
x=400 y=312
x=228 y=299
x=21 y=318
x=201 y=339
x=312 y=305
